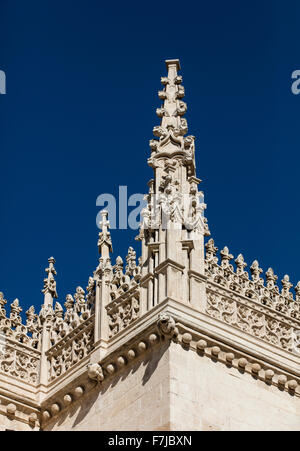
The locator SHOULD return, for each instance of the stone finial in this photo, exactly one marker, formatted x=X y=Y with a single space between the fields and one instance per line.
x=211 y=250
x=2 y=305
x=173 y=108
x=31 y=312
x=118 y=271
x=31 y=317
x=225 y=257
x=90 y=297
x=255 y=271
x=91 y=284
x=240 y=264
x=69 y=302
x=49 y=288
x=131 y=261
x=104 y=240
x=79 y=296
x=58 y=310
x=297 y=291
x=286 y=286
x=119 y=263
x=2 y=300
x=15 y=311
x=271 y=278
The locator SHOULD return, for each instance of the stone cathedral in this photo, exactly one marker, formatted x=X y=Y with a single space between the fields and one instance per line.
x=184 y=338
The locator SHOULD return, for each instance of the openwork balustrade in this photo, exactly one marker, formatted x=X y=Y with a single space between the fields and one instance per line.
x=78 y=309
x=19 y=361
x=72 y=331
x=124 y=292
x=123 y=311
x=250 y=303
x=71 y=349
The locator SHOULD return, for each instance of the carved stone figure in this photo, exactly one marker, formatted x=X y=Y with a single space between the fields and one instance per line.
x=95 y=372
x=166 y=326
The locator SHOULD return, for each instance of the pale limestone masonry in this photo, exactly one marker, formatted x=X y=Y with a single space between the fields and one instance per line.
x=185 y=338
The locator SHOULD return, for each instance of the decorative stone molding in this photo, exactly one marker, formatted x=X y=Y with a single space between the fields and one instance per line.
x=19 y=412
x=11 y=409
x=52 y=409
x=205 y=346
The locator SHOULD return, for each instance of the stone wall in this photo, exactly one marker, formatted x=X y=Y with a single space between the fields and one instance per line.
x=137 y=398
x=172 y=388
x=206 y=395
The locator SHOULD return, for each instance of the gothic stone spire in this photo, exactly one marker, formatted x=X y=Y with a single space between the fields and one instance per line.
x=173 y=127
x=173 y=224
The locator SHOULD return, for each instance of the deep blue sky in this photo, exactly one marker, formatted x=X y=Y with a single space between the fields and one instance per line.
x=82 y=82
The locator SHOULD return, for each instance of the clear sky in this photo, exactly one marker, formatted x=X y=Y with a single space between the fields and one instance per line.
x=82 y=82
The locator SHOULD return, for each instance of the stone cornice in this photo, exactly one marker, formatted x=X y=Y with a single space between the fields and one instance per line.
x=227 y=334
x=197 y=275
x=243 y=362
x=145 y=279
x=168 y=262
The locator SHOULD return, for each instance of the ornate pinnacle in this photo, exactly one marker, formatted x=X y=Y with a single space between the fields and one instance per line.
x=15 y=311
x=297 y=291
x=79 y=296
x=286 y=286
x=255 y=271
x=173 y=127
x=69 y=302
x=104 y=235
x=131 y=261
x=31 y=318
x=173 y=107
x=240 y=264
x=271 y=278
x=2 y=300
x=211 y=250
x=2 y=305
x=58 y=310
x=49 y=281
x=225 y=257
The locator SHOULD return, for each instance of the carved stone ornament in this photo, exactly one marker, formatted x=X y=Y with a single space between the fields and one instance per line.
x=166 y=326
x=95 y=372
